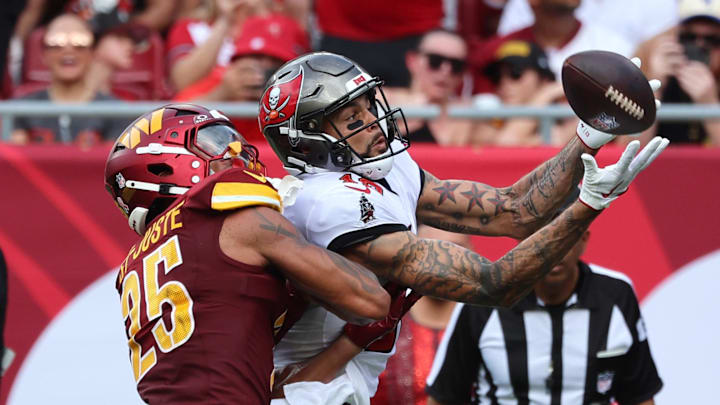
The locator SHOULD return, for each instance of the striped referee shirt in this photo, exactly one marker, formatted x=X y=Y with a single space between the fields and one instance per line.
x=590 y=350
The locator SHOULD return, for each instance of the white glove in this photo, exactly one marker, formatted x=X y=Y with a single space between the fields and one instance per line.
x=594 y=139
x=602 y=186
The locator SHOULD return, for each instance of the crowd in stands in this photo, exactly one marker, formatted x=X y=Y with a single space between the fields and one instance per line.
x=443 y=52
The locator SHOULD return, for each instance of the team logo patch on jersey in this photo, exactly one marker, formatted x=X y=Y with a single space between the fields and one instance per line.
x=604 y=381
x=367 y=211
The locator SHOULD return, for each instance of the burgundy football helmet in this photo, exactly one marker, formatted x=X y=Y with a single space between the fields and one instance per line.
x=165 y=152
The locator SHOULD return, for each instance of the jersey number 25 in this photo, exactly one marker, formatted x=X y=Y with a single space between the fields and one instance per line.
x=173 y=293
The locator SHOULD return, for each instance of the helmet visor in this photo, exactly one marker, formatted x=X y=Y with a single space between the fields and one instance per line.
x=214 y=141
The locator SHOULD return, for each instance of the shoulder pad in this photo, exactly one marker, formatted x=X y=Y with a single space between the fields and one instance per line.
x=234 y=189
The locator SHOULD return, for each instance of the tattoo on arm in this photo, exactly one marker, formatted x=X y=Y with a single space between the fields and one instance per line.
x=517 y=211
x=546 y=187
x=473 y=209
x=368 y=281
x=445 y=270
x=474 y=197
x=446 y=191
x=277 y=229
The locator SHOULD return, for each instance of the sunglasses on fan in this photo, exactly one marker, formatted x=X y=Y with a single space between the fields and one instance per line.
x=435 y=61
x=712 y=40
x=512 y=71
x=73 y=39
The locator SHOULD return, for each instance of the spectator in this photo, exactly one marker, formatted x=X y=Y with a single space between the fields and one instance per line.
x=378 y=37
x=634 y=21
x=403 y=381
x=128 y=60
x=113 y=52
x=478 y=20
x=521 y=75
x=578 y=337
x=686 y=59
x=68 y=52
x=436 y=72
x=153 y=15
x=10 y=10
x=263 y=45
x=195 y=45
x=558 y=32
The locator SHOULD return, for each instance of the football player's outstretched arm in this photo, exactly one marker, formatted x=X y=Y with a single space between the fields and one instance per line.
x=517 y=211
x=521 y=209
x=263 y=236
x=445 y=270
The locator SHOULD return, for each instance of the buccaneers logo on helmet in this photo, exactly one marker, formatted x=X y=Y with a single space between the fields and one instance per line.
x=279 y=97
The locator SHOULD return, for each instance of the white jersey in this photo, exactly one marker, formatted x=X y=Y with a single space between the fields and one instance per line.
x=339 y=209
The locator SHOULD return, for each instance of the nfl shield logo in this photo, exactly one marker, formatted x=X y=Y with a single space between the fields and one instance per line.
x=604 y=381
x=603 y=122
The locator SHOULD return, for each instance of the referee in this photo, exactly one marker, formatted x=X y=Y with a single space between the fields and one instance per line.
x=579 y=338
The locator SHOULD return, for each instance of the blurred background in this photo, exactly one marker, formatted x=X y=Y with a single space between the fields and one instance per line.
x=478 y=80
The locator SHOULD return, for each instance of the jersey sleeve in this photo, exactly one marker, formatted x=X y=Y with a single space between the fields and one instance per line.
x=234 y=189
x=457 y=359
x=639 y=380
x=337 y=214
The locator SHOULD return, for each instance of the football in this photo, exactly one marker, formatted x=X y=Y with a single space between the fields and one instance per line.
x=608 y=92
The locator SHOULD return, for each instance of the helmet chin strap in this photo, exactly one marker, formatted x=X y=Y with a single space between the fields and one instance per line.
x=375 y=170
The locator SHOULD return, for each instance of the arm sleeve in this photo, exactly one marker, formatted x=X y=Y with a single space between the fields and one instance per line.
x=639 y=380
x=457 y=360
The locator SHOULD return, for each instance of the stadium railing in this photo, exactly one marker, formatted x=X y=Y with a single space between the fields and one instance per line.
x=118 y=109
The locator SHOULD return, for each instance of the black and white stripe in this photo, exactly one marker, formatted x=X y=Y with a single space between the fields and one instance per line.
x=588 y=351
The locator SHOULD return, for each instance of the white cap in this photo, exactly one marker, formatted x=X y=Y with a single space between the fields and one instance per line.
x=690 y=9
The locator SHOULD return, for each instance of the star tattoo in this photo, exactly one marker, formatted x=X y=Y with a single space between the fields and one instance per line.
x=447 y=192
x=475 y=197
x=498 y=203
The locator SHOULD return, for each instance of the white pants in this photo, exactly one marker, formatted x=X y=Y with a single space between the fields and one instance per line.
x=346 y=388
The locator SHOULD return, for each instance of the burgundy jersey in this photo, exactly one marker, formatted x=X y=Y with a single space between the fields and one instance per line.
x=200 y=325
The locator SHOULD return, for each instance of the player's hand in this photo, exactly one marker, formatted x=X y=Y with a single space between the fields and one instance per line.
x=594 y=139
x=364 y=336
x=601 y=186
